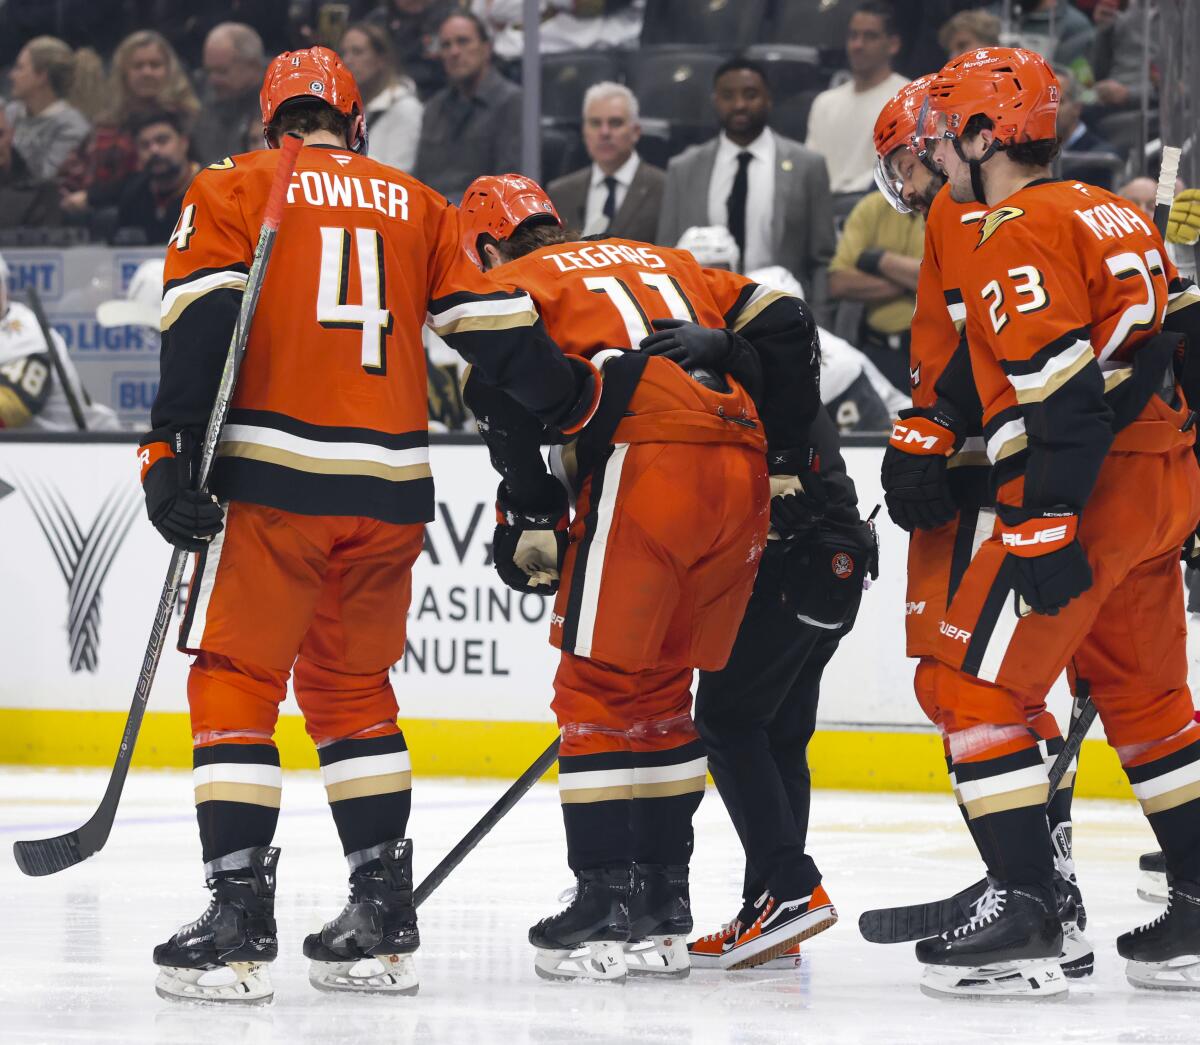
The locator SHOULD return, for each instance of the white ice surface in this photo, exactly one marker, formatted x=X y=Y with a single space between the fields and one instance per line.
x=75 y=948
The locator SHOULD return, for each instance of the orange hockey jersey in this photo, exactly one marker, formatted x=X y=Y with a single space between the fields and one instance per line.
x=330 y=415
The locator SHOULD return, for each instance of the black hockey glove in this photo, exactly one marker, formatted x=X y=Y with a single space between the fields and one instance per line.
x=1049 y=566
x=916 y=488
x=799 y=499
x=824 y=574
x=689 y=344
x=531 y=540
x=186 y=518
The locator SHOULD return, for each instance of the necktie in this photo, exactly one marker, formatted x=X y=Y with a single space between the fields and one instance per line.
x=735 y=206
x=610 y=203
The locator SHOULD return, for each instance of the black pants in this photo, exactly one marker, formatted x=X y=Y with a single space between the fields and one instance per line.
x=756 y=717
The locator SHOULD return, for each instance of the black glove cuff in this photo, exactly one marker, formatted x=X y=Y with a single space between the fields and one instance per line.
x=539 y=510
x=795 y=461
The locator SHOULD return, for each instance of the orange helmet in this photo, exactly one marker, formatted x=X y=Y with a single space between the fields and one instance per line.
x=497 y=205
x=1016 y=89
x=316 y=72
x=895 y=128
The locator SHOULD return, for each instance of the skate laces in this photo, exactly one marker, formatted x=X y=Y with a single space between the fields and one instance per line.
x=568 y=895
x=987 y=909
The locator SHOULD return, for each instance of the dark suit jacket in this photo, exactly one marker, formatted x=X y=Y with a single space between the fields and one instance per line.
x=804 y=239
x=636 y=218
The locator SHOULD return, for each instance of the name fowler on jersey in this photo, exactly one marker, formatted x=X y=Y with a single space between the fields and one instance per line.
x=604 y=255
x=324 y=189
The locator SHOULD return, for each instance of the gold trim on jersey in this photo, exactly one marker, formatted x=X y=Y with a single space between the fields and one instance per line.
x=177 y=299
x=1037 y=388
x=467 y=324
x=322 y=466
x=762 y=298
x=13 y=412
x=1187 y=297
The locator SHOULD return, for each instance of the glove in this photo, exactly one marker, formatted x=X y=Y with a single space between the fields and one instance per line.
x=916 y=488
x=690 y=345
x=824 y=574
x=186 y=518
x=529 y=542
x=1048 y=562
x=1183 y=223
x=797 y=494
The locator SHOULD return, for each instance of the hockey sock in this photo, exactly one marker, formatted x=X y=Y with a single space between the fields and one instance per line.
x=596 y=792
x=1004 y=789
x=1166 y=780
x=237 y=801
x=368 y=781
x=954 y=787
x=667 y=789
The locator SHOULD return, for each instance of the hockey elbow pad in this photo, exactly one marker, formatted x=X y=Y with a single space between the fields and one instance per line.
x=589 y=387
x=916 y=486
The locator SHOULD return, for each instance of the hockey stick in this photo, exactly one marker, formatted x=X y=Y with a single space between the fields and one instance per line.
x=60 y=369
x=920 y=921
x=50 y=855
x=489 y=820
x=1164 y=194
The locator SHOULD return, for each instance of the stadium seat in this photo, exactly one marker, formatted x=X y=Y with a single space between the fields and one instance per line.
x=789 y=115
x=731 y=24
x=813 y=23
x=675 y=83
x=791 y=68
x=568 y=75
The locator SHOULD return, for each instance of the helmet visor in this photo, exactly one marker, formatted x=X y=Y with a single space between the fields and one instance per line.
x=890 y=185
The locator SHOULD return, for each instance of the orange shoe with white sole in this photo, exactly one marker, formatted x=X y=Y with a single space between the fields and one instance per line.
x=781 y=926
x=707 y=950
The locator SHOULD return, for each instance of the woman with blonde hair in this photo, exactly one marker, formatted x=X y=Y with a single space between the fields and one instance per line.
x=393 y=109
x=146 y=76
x=46 y=125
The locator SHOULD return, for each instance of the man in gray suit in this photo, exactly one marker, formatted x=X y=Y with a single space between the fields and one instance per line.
x=771 y=192
x=618 y=195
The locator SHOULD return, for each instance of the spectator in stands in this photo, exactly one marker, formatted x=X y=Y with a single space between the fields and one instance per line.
x=1053 y=28
x=24 y=199
x=146 y=77
x=46 y=126
x=566 y=25
x=473 y=125
x=1086 y=156
x=393 y=109
x=619 y=194
x=233 y=64
x=152 y=199
x=842 y=118
x=967 y=31
x=877 y=262
x=1117 y=64
x=413 y=27
x=771 y=192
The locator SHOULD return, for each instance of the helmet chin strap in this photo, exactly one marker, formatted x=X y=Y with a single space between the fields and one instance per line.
x=975 y=166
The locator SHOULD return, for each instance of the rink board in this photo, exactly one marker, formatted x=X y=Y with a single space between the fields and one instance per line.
x=81 y=569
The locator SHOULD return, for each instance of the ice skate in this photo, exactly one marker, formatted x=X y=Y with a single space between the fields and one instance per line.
x=660 y=917
x=586 y=941
x=1010 y=947
x=1152 y=882
x=369 y=947
x=223 y=955
x=1077 y=958
x=782 y=923
x=1165 y=954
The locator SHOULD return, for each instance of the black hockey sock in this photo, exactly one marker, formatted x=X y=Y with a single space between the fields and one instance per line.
x=1169 y=791
x=667 y=789
x=368 y=782
x=1058 y=811
x=1005 y=800
x=596 y=792
x=957 y=795
x=237 y=801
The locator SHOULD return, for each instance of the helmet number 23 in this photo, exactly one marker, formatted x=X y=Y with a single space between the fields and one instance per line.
x=334 y=312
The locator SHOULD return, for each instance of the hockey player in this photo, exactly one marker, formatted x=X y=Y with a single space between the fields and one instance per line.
x=651 y=579
x=31 y=396
x=1065 y=292
x=323 y=476
x=935 y=470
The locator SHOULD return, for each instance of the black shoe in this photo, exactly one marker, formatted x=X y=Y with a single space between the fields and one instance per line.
x=1165 y=953
x=222 y=956
x=379 y=922
x=660 y=917
x=595 y=925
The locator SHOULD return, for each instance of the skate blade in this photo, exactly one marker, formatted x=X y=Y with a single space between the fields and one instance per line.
x=1178 y=974
x=383 y=974
x=663 y=957
x=238 y=983
x=805 y=928
x=1152 y=887
x=601 y=961
x=1035 y=979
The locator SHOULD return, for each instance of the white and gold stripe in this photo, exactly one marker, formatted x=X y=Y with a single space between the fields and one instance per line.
x=589 y=602
x=1169 y=790
x=487 y=314
x=997 y=794
x=760 y=298
x=1068 y=778
x=203 y=581
x=178 y=298
x=367 y=775
x=595 y=785
x=1054 y=373
x=253 y=783
x=1010 y=438
x=682 y=778
x=259 y=443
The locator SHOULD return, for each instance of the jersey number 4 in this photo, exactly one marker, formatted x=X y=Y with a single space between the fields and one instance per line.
x=334 y=312
x=637 y=325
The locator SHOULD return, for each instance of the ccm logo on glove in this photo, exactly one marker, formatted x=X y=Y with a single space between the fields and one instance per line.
x=921 y=435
